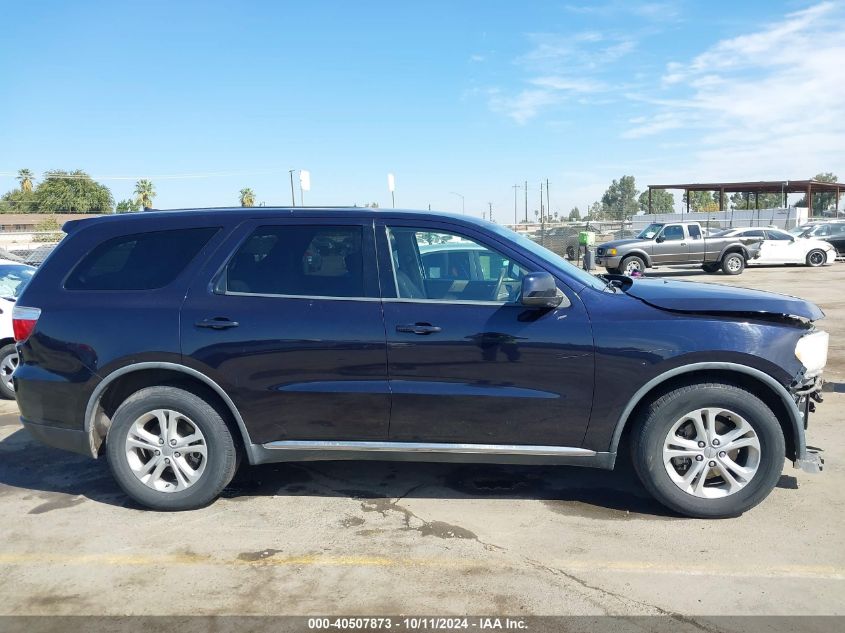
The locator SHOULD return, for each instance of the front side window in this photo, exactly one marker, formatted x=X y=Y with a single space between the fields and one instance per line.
x=299 y=260
x=673 y=233
x=444 y=266
x=142 y=261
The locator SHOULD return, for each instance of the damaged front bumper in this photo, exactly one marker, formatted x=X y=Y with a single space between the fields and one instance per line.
x=806 y=394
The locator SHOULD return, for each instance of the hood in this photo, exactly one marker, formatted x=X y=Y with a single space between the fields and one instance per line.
x=618 y=243
x=690 y=296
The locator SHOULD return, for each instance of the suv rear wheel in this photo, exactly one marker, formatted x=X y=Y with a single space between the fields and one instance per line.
x=709 y=450
x=170 y=449
x=8 y=364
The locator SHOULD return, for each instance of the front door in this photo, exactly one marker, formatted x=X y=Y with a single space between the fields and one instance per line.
x=467 y=363
x=671 y=246
x=288 y=321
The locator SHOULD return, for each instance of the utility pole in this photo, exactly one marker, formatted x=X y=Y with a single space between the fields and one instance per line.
x=515 y=211
x=548 y=203
x=292 y=195
x=490 y=206
x=541 y=202
x=526 y=202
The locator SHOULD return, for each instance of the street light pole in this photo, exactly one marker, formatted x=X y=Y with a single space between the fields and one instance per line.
x=515 y=211
x=292 y=195
x=463 y=205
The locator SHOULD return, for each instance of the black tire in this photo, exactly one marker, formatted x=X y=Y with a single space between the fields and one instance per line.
x=631 y=263
x=733 y=264
x=8 y=360
x=658 y=419
x=710 y=268
x=816 y=257
x=221 y=452
x=614 y=271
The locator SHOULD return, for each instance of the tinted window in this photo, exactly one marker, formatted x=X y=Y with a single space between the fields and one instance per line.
x=673 y=233
x=694 y=232
x=448 y=267
x=315 y=261
x=778 y=235
x=142 y=261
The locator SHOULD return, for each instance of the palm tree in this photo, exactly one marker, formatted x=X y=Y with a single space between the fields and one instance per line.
x=145 y=193
x=25 y=178
x=247 y=197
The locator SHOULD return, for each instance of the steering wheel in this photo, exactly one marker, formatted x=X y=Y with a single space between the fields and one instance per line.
x=500 y=282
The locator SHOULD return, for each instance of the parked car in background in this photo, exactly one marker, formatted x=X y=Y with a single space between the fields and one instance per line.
x=181 y=343
x=13 y=279
x=831 y=232
x=674 y=244
x=779 y=247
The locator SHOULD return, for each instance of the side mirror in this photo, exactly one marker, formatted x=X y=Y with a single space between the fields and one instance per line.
x=539 y=290
x=660 y=239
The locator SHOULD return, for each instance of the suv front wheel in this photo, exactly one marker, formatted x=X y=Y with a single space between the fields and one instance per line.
x=709 y=450
x=170 y=450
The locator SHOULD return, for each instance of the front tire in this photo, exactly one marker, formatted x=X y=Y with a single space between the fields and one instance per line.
x=632 y=264
x=170 y=450
x=708 y=450
x=8 y=364
x=733 y=264
x=816 y=257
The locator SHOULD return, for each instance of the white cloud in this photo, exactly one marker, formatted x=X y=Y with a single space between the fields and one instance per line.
x=477 y=58
x=769 y=101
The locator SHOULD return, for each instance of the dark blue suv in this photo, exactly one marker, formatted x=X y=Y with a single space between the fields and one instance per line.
x=179 y=343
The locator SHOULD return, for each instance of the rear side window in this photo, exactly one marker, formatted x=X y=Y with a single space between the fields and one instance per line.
x=694 y=232
x=299 y=260
x=142 y=261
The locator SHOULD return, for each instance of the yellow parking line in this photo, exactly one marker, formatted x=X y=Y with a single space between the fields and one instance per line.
x=823 y=572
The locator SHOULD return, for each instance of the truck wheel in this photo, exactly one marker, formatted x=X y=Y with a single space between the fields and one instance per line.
x=170 y=449
x=733 y=264
x=708 y=450
x=8 y=364
x=632 y=264
x=816 y=257
x=710 y=268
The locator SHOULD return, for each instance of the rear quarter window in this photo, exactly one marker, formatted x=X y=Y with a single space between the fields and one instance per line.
x=141 y=261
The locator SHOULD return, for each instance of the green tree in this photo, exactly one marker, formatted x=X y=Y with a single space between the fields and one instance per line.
x=145 y=192
x=71 y=192
x=247 y=197
x=127 y=206
x=701 y=201
x=25 y=178
x=620 y=199
x=49 y=230
x=661 y=201
x=754 y=201
x=574 y=214
x=822 y=201
x=594 y=211
x=17 y=201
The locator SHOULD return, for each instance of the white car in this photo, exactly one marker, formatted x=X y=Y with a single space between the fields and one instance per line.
x=13 y=279
x=779 y=247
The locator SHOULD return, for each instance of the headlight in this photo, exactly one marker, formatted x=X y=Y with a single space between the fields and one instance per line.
x=611 y=251
x=811 y=350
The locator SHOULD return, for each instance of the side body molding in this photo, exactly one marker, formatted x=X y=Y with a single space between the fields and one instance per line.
x=795 y=419
x=94 y=400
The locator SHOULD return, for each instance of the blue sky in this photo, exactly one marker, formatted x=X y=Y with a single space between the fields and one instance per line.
x=470 y=97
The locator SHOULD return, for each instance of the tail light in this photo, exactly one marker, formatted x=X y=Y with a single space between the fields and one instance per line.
x=23 y=321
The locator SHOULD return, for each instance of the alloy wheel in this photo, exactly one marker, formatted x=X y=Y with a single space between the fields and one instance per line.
x=166 y=450
x=7 y=368
x=711 y=453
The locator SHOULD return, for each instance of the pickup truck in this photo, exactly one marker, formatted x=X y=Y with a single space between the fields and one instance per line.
x=666 y=244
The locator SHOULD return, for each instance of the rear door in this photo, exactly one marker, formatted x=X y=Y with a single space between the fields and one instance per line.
x=287 y=319
x=467 y=363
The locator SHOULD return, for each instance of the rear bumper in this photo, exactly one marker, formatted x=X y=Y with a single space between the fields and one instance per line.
x=74 y=440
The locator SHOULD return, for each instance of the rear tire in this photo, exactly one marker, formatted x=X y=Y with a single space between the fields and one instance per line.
x=8 y=364
x=733 y=264
x=666 y=445
x=816 y=257
x=170 y=449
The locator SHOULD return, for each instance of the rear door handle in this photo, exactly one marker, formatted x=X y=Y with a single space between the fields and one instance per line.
x=217 y=323
x=419 y=328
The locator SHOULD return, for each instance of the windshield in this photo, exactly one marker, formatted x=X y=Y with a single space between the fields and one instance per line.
x=649 y=232
x=13 y=279
x=554 y=259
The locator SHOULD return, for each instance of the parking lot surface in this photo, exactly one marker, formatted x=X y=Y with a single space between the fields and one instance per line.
x=398 y=538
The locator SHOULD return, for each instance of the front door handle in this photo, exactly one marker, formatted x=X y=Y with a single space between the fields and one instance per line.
x=419 y=328
x=217 y=323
